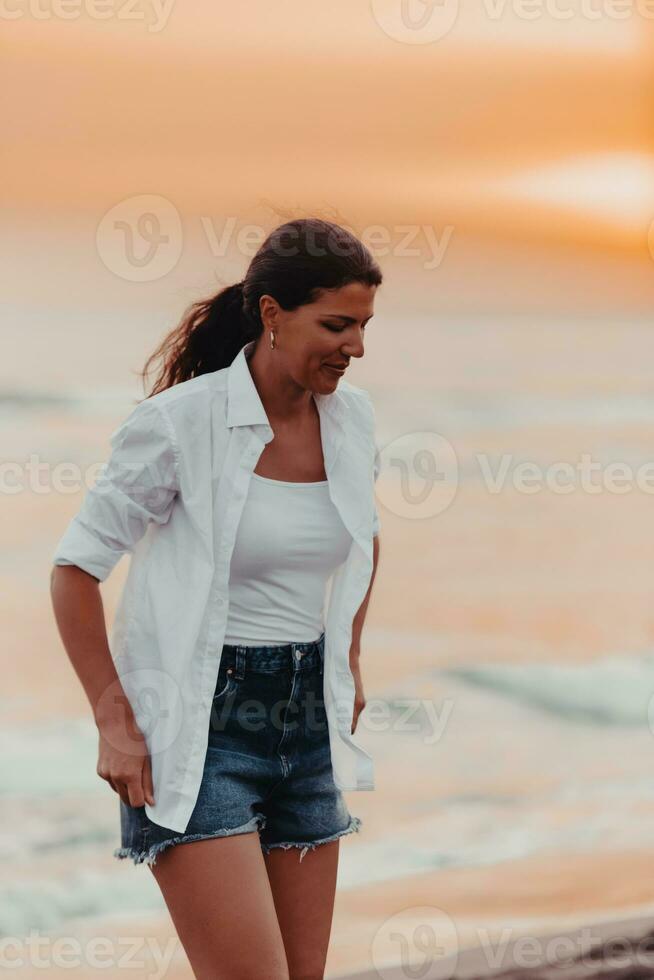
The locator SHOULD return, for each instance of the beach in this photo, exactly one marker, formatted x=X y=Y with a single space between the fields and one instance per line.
x=508 y=666
x=502 y=177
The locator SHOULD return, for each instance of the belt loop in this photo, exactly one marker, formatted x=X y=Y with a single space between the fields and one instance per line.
x=240 y=663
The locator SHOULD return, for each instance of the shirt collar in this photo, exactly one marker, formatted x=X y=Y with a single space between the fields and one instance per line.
x=244 y=406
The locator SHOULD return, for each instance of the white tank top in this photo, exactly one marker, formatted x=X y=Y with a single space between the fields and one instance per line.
x=289 y=541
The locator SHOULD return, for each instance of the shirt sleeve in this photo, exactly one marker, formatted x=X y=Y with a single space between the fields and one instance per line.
x=138 y=485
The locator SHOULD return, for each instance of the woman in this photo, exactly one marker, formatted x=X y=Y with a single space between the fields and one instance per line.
x=243 y=487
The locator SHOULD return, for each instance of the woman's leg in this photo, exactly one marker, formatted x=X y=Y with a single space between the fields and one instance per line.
x=303 y=893
x=219 y=896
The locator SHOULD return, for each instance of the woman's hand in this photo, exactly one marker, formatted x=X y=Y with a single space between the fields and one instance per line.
x=124 y=760
x=359 y=696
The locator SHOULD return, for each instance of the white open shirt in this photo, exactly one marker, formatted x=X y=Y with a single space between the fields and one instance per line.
x=171 y=494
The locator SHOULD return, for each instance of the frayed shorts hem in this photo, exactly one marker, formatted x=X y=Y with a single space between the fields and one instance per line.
x=353 y=827
x=149 y=856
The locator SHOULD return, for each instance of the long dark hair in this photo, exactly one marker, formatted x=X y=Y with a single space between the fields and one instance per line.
x=295 y=262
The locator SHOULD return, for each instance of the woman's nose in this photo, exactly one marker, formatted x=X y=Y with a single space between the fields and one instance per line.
x=354 y=346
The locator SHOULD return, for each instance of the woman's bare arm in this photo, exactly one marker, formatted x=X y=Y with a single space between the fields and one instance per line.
x=79 y=613
x=123 y=758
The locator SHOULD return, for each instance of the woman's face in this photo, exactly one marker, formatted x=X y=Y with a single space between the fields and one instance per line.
x=315 y=343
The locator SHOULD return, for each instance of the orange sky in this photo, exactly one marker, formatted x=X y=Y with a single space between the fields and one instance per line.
x=531 y=133
x=302 y=106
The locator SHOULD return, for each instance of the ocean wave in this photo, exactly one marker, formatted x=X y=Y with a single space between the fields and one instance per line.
x=616 y=690
x=110 y=401
x=46 y=904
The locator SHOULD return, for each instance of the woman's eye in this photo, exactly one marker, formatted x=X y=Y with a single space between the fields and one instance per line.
x=334 y=329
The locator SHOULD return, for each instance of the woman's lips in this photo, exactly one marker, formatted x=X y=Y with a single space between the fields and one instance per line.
x=335 y=370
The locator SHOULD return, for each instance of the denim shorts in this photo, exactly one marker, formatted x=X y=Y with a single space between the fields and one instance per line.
x=268 y=763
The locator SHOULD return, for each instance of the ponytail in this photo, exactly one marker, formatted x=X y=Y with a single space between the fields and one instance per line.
x=209 y=337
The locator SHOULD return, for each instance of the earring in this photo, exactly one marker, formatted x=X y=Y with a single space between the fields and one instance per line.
x=272 y=339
